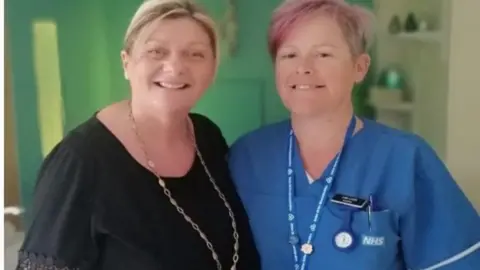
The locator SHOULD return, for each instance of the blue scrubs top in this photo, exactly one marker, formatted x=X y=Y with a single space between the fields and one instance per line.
x=420 y=214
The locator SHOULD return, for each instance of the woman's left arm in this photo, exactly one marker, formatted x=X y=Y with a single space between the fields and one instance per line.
x=441 y=228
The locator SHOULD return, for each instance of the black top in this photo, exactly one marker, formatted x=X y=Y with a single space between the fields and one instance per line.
x=96 y=207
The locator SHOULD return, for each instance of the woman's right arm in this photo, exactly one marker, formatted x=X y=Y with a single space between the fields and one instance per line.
x=61 y=234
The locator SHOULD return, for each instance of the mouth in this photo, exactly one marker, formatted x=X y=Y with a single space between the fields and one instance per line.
x=306 y=86
x=172 y=86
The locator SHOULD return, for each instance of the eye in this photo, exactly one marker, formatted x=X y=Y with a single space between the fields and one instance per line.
x=197 y=55
x=323 y=55
x=288 y=55
x=156 y=52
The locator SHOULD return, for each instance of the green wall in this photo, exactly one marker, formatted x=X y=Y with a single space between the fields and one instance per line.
x=90 y=36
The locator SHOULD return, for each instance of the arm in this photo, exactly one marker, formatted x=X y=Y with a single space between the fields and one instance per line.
x=60 y=235
x=440 y=229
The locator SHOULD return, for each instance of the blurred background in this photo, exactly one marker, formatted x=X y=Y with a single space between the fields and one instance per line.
x=62 y=63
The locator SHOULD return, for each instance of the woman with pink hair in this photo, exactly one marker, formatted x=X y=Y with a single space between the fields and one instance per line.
x=327 y=189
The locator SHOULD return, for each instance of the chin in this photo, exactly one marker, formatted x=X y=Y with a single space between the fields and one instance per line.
x=174 y=106
x=168 y=104
x=305 y=112
x=305 y=108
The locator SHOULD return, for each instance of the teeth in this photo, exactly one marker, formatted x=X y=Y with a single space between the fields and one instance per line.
x=172 y=85
x=303 y=86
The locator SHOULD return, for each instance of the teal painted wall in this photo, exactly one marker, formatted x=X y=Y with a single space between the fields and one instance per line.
x=90 y=34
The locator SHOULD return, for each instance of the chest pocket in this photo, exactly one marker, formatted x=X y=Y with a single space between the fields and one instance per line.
x=376 y=239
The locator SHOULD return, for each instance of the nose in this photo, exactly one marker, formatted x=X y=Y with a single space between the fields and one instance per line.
x=173 y=65
x=304 y=71
x=305 y=68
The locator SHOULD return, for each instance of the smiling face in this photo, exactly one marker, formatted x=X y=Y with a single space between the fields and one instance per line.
x=168 y=70
x=315 y=69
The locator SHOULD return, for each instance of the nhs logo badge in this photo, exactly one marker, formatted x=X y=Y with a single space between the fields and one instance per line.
x=373 y=241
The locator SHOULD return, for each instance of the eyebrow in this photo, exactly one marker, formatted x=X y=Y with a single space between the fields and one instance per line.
x=154 y=40
x=163 y=41
x=287 y=47
x=325 y=45
x=194 y=43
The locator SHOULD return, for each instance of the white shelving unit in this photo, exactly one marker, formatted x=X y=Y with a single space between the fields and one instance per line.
x=400 y=107
x=422 y=56
x=426 y=36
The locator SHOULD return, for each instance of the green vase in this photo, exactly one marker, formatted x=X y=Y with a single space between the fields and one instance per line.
x=391 y=78
x=395 y=26
x=411 y=24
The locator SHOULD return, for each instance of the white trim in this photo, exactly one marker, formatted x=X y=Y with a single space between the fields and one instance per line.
x=309 y=177
x=455 y=258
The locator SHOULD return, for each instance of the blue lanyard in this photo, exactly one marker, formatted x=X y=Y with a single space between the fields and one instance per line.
x=307 y=247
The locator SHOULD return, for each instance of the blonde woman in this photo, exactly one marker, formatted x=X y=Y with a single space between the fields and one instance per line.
x=326 y=189
x=144 y=184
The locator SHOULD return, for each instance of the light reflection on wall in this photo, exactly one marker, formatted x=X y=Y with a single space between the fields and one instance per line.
x=49 y=92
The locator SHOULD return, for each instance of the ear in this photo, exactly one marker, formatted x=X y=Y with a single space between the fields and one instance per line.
x=362 y=64
x=125 y=62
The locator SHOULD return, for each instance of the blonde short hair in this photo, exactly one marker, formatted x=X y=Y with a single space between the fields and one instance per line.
x=151 y=10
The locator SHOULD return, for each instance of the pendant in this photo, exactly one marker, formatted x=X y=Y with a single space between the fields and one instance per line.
x=307 y=248
x=344 y=240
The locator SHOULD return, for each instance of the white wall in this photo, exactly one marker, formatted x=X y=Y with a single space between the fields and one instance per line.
x=463 y=111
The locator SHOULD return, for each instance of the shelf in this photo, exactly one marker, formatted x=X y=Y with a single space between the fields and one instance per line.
x=404 y=107
x=426 y=36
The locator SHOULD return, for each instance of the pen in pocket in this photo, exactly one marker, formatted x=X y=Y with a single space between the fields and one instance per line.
x=370 y=209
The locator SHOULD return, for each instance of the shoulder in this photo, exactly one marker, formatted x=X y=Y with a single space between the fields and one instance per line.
x=258 y=154
x=405 y=163
x=264 y=139
x=400 y=143
x=71 y=164
x=203 y=120
x=86 y=138
x=396 y=153
x=209 y=135
x=205 y=124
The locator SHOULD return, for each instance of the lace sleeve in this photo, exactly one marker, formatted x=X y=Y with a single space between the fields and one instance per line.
x=31 y=261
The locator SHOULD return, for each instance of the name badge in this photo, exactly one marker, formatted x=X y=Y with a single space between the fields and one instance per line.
x=349 y=201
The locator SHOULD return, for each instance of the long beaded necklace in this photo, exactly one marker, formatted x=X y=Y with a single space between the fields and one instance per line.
x=180 y=210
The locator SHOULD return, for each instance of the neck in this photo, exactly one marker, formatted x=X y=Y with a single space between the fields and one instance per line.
x=160 y=127
x=323 y=130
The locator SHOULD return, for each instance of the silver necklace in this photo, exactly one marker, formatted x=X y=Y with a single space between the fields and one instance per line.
x=180 y=210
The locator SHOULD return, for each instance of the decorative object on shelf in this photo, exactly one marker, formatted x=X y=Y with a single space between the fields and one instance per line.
x=411 y=24
x=395 y=26
x=390 y=88
x=391 y=78
x=229 y=27
x=423 y=26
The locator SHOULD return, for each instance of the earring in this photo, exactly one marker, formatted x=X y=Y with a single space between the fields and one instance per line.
x=126 y=75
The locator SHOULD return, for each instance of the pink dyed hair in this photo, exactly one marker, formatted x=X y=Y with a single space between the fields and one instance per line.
x=354 y=21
